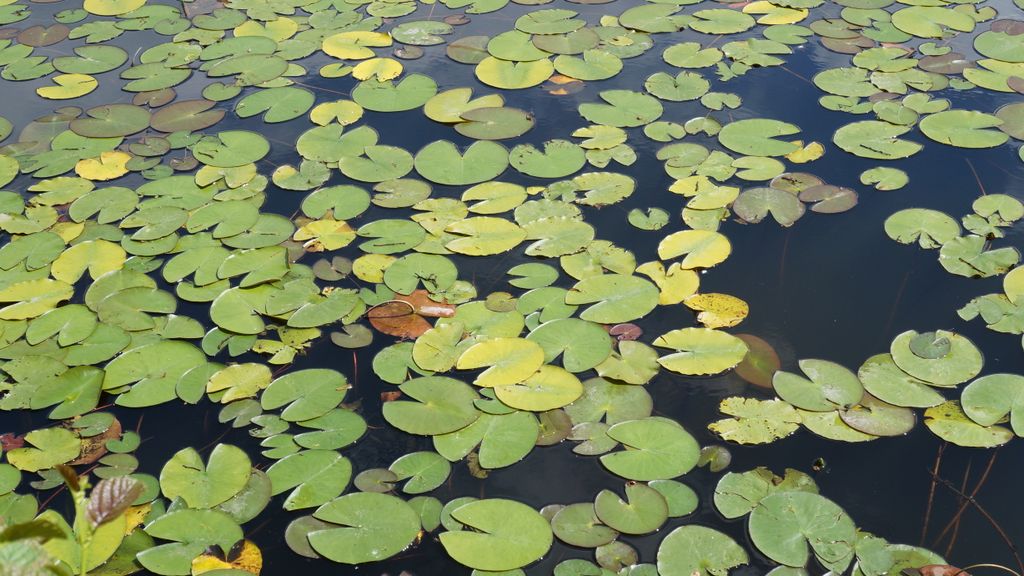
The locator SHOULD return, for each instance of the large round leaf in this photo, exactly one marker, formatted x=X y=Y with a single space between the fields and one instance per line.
x=441 y=405
x=788 y=526
x=700 y=351
x=757 y=137
x=644 y=510
x=410 y=92
x=371 y=527
x=559 y=158
x=615 y=298
x=949 y=422
x=205 y=486
x=964 y=129
x=698 y=551
x=828 y=386
x=657 y=449
x=506 y=535
x=991 y=398
x=513 y=75
x=317 y=476
x=582 y=345
x=959 y=361
x=308 y=393
x=875 y=139
x=441 y=162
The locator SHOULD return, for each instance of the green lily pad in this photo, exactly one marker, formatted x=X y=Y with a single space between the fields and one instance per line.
x=610 y=401
x=644 y=510
x=549 y=388
x=949 y=422
x=276 y=104
x=875 y=139
x=883 y=379
x=231 y=149
x=758 y=137
x=317 y=476
x=968 y=256
x=681 y=499
x=513 y=75
x=931 y=21
x=494 y=123
x=501 y=440
x=422 y=471
x=410 y=92
x=441 y=162
x=190 y=532
x=506 y=535
x=450 y=105
x=48 y=447
x=622 y=109
x=615 y=297
x=964 y=129
x=595 y=64
x=442 y=405
x=700 y=351
x=828 y=386
x=658 y=449
x=878 y=418
x=380 y=163
x=698 y=551
x=962 y=362
x=559 y=158
x=788 y=526
x=738 y=493
x=205 y=486
x=307 y=393
x=111 y=120
x=989 y=399
x=754 y=204
x=929 y=228
x=578 y=525
x=370 y=527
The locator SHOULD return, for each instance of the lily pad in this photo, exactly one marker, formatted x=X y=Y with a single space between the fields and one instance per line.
x=657 y=449
x=507 y=535
x=370 y=526
x=205 y=486
x=962 y=362
x=644 y=510
x=700 y=351
x=964 y=129
x=755 y=421
x=698 y=550
x=875 y=139
x=989 y=399
x=949 y=422
x=828 y=386
x=788 y=526
x=442 y=405
x=441 y=162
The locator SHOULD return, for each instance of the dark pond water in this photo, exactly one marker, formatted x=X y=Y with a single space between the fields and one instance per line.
x=831 y=287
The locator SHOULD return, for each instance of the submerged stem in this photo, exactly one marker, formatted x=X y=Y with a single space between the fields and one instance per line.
x=965 y=504
x=956 y=527
x=999 y=529
x=931 y=492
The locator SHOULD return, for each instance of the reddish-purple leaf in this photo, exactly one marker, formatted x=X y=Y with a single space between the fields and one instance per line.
x=111 y=497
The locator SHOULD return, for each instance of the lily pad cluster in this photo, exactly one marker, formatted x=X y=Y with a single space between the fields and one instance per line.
x=919 y=372
x=146 y=259
x=971 y=254
x=796 y=527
